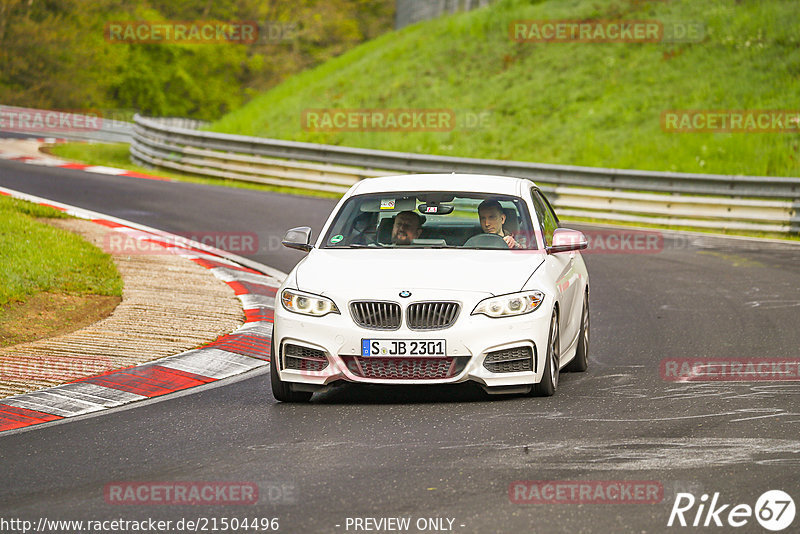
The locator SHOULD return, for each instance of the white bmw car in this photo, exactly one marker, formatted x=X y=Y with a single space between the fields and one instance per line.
x=434 y=279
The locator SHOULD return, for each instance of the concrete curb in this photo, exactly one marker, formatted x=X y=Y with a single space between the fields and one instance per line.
x=244 y=349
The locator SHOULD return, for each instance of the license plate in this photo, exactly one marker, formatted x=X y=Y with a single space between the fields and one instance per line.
x=403 y=347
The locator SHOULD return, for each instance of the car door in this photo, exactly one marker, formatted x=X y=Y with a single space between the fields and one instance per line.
x=561 y=267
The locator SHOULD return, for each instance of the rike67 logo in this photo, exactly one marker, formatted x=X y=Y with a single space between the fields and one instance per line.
x=774 y=510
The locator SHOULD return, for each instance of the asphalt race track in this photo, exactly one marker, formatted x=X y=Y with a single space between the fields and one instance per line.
x=451 y=452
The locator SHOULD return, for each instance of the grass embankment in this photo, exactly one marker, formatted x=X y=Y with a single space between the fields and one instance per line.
x=593 y=104
x=51 y=280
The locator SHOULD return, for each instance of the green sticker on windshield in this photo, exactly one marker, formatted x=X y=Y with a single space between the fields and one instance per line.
x=337 y=238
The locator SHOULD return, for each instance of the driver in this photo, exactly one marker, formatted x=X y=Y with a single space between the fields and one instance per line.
x=492 y=218
x=407 y=227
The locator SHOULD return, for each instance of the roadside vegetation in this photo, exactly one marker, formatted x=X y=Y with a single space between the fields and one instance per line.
x=50 y=279
x=593 y=104
x=54 y=54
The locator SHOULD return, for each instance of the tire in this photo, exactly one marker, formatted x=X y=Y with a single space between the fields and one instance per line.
x=282 y=391
x=549 y=383
x=581 y=361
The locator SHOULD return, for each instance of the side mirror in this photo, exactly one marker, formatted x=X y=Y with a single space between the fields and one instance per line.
x=566 y=240
x=298 y=238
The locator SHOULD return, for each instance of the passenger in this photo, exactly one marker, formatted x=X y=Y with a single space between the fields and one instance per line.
x=492 y=218
x=407 y=227
x=363 y=230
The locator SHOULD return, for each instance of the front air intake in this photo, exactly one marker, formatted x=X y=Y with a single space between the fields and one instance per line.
x=514 y=360
x=298 y=358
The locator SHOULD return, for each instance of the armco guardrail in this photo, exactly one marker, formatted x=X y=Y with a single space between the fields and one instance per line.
x=411 y=11
x=702 y=200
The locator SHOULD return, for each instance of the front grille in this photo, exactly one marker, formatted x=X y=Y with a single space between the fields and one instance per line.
x=509 y=360
x=376 y=315
x=303 y=358
x=405 y=368
x=432 y=315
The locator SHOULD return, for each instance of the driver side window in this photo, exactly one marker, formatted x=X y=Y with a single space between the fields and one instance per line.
x=546 y=217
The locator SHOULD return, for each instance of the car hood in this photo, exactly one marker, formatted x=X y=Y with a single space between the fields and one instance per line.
x=359 y=270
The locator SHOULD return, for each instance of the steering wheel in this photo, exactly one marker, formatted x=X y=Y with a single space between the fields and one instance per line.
x=363 y=238
x=486 y=241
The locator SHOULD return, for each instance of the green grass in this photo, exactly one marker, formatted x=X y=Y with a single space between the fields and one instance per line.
x=36 y=257
x=590 y=104
x=118 y=155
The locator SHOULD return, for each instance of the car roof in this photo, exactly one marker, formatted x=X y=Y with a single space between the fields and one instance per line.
x=474 y=183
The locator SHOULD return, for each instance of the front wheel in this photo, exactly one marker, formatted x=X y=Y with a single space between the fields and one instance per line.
x=581 y=361
x=549 y=383
x=282 y=391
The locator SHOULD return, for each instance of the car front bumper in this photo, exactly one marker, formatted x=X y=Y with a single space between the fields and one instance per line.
x=338 y=339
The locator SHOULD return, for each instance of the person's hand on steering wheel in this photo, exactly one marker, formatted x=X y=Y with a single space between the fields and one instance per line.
x=511 y=242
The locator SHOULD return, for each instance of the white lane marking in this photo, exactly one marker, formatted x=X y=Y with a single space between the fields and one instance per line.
x=144 y=402
x=211 y=362
x=772 y=304
x=770 y=412
x=232 y=275
x=259 y=328
x=45 y=162
x=250 y=301
x=99 y=169
x=72 y=399
x=97 y=393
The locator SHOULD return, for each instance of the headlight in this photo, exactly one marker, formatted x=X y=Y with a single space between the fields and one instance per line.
x=307 y=304
x=510 y=305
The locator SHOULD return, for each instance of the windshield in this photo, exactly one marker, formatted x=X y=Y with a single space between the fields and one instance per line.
x=432 y=220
